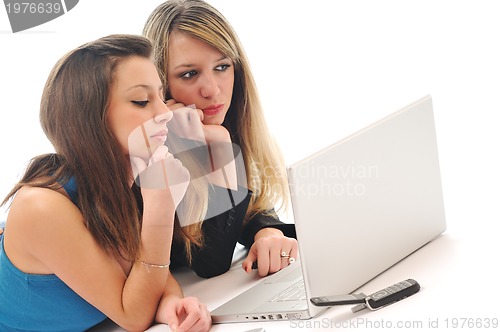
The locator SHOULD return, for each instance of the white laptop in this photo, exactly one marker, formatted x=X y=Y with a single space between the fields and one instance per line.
x=360 y=206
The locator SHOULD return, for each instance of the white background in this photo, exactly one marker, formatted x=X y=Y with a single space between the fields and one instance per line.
x=324 y=69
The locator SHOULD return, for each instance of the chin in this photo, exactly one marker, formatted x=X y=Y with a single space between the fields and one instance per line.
x=214 y=121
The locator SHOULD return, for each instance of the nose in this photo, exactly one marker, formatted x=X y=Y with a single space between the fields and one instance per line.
x=164 y=114
x=209 y=86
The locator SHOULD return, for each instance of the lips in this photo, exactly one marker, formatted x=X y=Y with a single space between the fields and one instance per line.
x=161 y=135
x=213 y=110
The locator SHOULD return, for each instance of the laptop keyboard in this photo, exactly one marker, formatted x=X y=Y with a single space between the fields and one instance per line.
x=295 y=292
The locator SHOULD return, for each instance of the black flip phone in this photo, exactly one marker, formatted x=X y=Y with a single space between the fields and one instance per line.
x=373 y=301
x=392 y=294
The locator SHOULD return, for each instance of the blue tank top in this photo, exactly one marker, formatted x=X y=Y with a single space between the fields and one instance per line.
x=35 y=302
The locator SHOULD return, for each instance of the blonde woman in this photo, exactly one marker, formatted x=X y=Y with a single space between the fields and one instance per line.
x=205 y=67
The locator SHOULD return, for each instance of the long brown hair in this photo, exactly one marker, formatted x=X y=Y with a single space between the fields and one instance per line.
x=73 y=115
x=245 y=119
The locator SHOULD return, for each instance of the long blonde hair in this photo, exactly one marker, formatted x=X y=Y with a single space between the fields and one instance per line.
x=245 y=119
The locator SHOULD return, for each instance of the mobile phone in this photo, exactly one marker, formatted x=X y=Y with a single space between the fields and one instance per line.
x=392 y=294
x=373 y=301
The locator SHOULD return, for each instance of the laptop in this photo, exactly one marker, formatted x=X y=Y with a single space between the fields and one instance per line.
x=360 y=206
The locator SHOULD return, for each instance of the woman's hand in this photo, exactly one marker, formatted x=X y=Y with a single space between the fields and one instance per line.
x=272 y=251
x=184 y=314
x=188 y=123
x=161 y=171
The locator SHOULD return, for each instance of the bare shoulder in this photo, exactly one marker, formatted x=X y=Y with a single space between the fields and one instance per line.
x=33 y=204
x=39 y=218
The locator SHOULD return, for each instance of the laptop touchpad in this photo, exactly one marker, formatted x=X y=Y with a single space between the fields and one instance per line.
x=289 y=274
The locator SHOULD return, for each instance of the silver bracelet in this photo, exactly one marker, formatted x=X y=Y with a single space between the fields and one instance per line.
x=158 y=266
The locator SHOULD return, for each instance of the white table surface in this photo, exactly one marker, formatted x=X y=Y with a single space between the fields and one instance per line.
x=457 y=272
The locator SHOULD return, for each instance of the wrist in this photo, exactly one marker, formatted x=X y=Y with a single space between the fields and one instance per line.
x=216 y=133
x=268 y=232
x=165 y=307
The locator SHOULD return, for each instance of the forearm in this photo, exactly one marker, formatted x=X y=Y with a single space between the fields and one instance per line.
x=172 y=291
x=224 y=177
x=261 y=221
x=149 y=274
x=221 y=157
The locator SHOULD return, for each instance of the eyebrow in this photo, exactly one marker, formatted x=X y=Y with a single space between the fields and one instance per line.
x=144 y=86
x=188 y=65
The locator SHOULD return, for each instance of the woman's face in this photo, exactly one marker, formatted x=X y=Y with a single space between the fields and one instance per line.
x=137 y=114
x=201 y=75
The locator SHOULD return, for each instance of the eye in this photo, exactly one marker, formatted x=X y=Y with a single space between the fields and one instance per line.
x=222 y=67
x=188 y=75
x=141 y=103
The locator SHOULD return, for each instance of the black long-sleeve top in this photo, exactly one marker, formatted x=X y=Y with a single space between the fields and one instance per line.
x=223 y=231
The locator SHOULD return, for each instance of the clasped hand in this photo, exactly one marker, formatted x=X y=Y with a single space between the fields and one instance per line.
x=271 y=251
x=153 y=166
x=188 y=123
